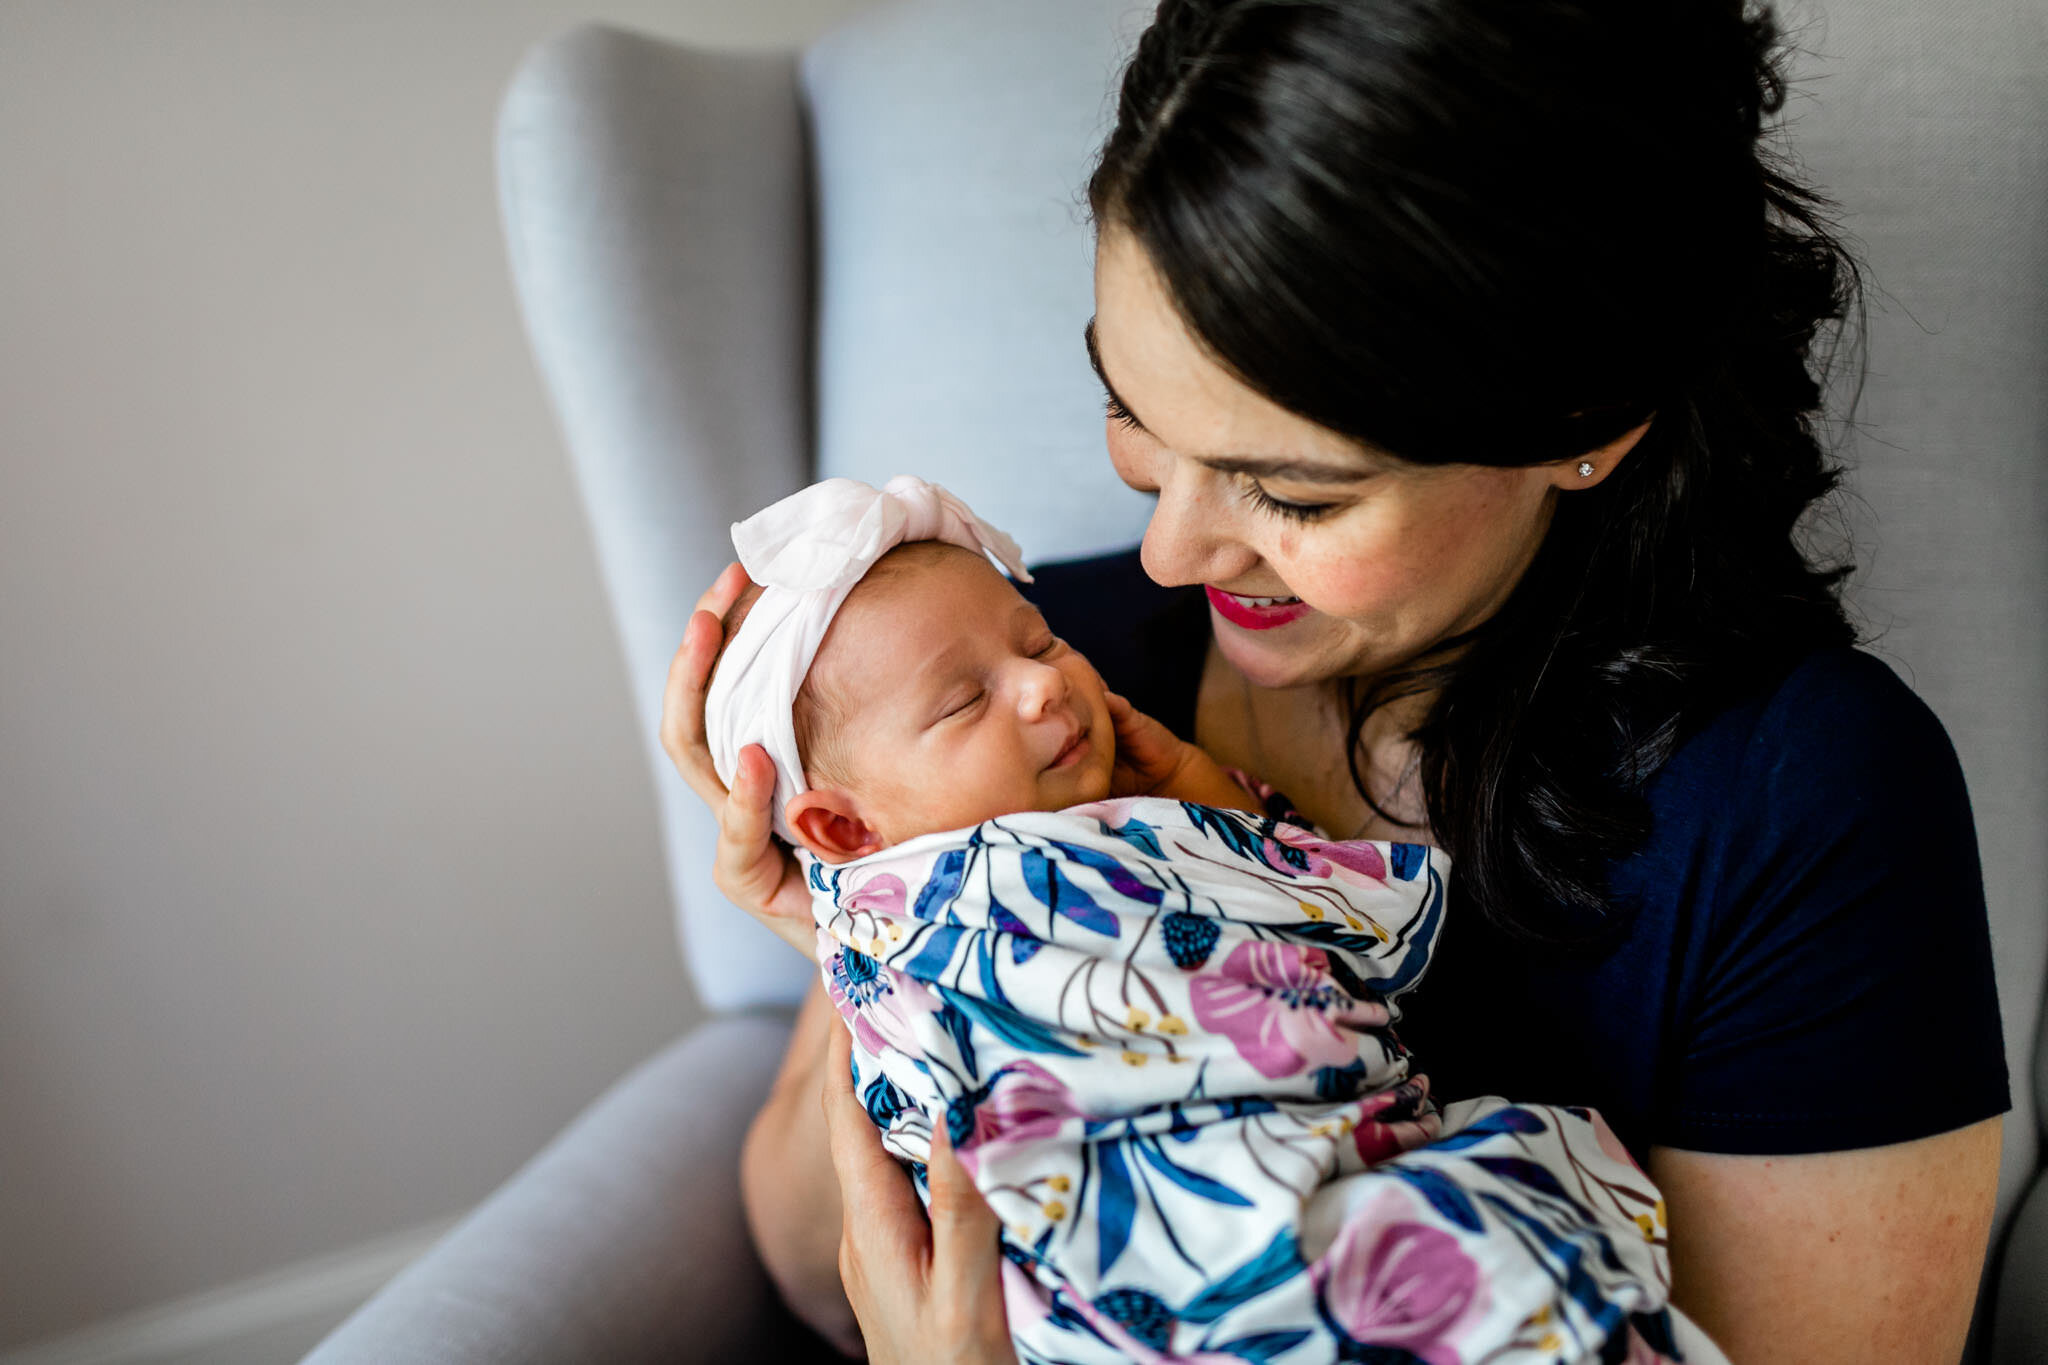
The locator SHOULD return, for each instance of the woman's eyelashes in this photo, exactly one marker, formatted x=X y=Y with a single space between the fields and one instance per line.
x=1252 y=493
x=1292 y=511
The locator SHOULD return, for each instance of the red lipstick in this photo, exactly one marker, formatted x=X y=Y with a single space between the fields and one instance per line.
x=1255 y=613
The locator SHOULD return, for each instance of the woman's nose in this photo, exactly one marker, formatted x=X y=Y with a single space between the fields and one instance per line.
x=1191 y=538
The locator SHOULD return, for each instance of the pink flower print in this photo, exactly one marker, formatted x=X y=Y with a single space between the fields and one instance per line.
x=1395 y=1120
x=1277 y=1003
x=1387 y=1282
x=1024 y=1101
x=882 y=894
x=1609 y=1143
x=1356 y=856
x=1641 y=1352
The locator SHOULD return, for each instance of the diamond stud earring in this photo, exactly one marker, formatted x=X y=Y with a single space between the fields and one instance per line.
x=1585 y=469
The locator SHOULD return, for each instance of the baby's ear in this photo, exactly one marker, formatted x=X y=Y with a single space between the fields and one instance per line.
x=828 y=822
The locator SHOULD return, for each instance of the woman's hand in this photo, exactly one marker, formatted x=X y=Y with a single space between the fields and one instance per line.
x=751 y=869
x=1152 y=760
x=926 y=1293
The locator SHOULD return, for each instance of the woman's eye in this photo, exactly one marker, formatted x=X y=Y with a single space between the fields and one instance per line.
x=1118 y=413
x=1293 y=511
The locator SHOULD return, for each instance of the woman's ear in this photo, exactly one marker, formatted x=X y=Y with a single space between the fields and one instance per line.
x=828 y=821
x=1593 y=467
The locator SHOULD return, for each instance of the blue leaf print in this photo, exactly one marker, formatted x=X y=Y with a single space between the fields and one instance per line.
x=1024 y=944
x=1141 y=1314
x=1526 y=1172
x=1568 y=1265
x=1139 y=835
x=1116 y=1204
x=884 y=1102
x=1262 y=1346
x=960 y=1113
x=1120 y=878
x=1018 y=1030
x=991 y=988
x=1509 y=1120
x=1280 y=1260
x=1406 y=859
x=1419 y=941
x=935 y=953
x=818 y=878
x=956 y=1025
x=1446 y=1198
x=1044 y=880
x=1194 y=1182
x=943 y=886
x=1224 y=827
x=1341 y=1082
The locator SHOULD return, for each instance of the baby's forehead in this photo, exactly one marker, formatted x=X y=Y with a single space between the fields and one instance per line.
x=912 y=611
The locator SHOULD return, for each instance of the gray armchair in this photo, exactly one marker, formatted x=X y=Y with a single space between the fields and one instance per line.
x=741 y=272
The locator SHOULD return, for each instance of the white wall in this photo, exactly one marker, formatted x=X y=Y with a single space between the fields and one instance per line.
x=329 y=880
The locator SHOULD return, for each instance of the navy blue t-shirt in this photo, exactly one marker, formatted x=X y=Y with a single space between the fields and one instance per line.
x=1808 y=967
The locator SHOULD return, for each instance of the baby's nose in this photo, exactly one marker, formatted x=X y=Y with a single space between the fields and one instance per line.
x=1045 y=687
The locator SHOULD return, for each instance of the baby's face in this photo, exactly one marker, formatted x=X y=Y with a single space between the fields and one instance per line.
x=956 y=702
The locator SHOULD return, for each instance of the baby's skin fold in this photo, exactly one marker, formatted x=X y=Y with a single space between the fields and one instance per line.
x=1161 y=1037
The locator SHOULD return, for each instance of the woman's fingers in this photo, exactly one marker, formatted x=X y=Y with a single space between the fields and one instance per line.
x=922 y=1291
x=884 y=1225
x=725 y=589
x=964 y=1229
x=689 y=676
x=753 y=871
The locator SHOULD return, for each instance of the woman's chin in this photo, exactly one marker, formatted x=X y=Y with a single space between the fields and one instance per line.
x=1273 y=659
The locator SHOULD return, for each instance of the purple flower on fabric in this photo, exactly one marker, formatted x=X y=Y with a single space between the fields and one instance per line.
x=1277 y=1003
x=1391 y=1283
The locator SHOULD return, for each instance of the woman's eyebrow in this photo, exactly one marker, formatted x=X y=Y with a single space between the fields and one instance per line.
x=1095 y=360
x=1268 y=467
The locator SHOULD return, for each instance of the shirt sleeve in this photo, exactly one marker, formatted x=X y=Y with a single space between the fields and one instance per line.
x=1843 y=993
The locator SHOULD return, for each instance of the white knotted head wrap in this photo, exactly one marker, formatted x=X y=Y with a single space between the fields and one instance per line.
x=808 y=551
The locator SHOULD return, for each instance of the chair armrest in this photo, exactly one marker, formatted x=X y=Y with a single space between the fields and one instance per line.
x=656 y=208
x=623 y=1241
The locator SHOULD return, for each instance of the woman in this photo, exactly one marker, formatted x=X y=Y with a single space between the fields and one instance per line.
x=1466 y=345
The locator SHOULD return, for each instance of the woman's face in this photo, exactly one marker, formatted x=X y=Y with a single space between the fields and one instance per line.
x=1386 y=558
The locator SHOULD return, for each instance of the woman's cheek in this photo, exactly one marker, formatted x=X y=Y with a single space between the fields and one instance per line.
x=1358 y=575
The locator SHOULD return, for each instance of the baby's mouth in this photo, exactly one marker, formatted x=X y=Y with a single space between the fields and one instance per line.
x=1071 y=750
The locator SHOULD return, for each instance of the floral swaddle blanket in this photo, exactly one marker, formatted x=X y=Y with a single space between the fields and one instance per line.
x=1158 y=1034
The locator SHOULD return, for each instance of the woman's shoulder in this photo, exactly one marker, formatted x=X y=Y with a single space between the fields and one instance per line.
x=1813 y=862
x=1836 y=738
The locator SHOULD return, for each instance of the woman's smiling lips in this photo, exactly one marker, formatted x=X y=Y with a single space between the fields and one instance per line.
x=1256 y=613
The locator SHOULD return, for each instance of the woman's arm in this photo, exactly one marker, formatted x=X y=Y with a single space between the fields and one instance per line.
x=1842 y=1257
x=788 y=1187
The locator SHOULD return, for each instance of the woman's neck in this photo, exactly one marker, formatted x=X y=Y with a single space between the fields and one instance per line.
x=1295 y=739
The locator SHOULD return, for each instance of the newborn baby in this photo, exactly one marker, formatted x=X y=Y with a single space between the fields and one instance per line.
x=940 y=698
x=1156 y=1025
